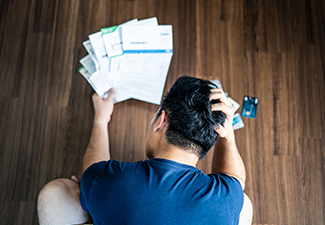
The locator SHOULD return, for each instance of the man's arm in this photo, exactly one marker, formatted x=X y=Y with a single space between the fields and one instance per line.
x=226 y=158
x=98 y=147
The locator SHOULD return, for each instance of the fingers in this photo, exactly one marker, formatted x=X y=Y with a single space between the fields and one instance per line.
x=225 y=106
x=96 y=97
x=219 y=94
x=74 y=178
x=111 y=93
x=216 y=90
x=222 y=132
x=226 y=109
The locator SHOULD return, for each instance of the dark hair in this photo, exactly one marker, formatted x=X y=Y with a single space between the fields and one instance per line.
x=191 y=122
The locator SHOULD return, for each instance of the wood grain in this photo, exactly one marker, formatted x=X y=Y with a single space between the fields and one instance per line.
x=273 y=50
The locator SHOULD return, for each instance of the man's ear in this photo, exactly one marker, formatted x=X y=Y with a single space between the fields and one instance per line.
x=162 y=122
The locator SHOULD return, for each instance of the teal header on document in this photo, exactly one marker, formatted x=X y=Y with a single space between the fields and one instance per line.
x=148 y=51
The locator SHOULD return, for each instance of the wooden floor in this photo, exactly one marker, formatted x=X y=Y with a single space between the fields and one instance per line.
x=271 y=49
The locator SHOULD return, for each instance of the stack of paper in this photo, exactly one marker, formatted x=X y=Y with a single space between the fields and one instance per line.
x=133 y=57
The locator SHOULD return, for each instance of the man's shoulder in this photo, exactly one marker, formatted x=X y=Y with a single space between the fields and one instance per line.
x=114 y=166
x=112 y=169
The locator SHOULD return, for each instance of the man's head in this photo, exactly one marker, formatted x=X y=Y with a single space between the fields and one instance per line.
x=190 y=121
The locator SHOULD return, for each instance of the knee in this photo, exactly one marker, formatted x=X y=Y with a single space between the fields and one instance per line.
x=52 y=191
x=58 y=203
x=52 y=187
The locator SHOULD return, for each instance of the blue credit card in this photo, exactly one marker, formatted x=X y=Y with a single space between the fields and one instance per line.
x=249 y=107
x=237 y=122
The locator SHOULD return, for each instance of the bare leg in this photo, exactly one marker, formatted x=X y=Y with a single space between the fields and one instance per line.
x=246 y=214
x=58 y=203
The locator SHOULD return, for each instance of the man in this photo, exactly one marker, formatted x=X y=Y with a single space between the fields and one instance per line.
x=167 y=188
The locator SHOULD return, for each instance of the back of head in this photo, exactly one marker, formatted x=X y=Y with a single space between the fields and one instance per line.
x=191 y=122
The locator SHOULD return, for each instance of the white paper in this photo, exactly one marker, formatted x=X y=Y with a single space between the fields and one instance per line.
x=113 y=41
x=144 y=76
x=84 y=73
x=146 y=22
x=154 y=38
x=100 y=52
x=217 y=82
x=114 y=69
x=88 y=64
x=234 y=104
x=95 y=82
x=87 y=76
x=144 y=67
x=89 y=48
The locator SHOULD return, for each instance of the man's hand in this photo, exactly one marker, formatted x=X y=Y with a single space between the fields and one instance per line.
x=103 y=107
x=225 y=130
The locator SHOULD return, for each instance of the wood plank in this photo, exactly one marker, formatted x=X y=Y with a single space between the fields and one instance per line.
x=44 y=16
x=312 y=179
x=308 y=92
x=18 y=213
x=231 y=10
x=64 y=29
x=289 y=204
x=12 y=48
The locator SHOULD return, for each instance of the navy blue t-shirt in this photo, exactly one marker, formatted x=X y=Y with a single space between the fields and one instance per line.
x=159 y=191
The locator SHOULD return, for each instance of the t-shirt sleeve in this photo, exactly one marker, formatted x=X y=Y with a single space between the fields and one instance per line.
x=232 y=189
x=86 y=183
x=229 y=181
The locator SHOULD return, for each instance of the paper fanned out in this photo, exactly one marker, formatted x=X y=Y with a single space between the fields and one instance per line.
x=133 y=57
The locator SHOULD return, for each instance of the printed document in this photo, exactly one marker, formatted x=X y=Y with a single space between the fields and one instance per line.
x=133 y=57
x=147 y=54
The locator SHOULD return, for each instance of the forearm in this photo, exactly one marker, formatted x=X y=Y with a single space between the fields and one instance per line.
x=226 y=158
x=98 y=147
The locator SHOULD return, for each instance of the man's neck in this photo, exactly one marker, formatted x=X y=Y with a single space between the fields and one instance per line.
x=176 y=154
